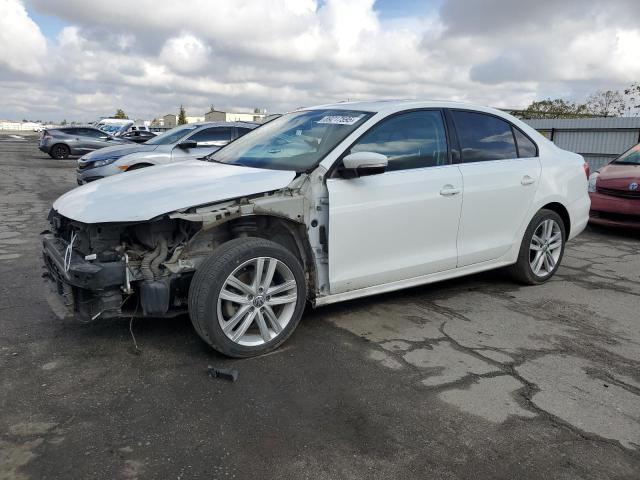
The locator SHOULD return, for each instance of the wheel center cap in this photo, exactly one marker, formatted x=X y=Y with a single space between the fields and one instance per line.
x=258 y=301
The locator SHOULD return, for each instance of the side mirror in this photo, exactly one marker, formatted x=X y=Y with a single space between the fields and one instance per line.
x=365 y=163
x=187 y=144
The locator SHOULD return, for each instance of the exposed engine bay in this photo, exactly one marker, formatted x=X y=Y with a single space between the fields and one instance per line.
x=145 y=268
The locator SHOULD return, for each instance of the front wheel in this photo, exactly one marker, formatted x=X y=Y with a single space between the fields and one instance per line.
x=247 y=298
x=541 y=249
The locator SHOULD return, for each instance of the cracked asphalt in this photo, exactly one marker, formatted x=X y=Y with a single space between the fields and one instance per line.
x=468 y=379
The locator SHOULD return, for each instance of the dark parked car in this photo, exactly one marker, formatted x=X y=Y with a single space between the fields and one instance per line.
x=65 y=141
x=138 y=136
x=615 y=192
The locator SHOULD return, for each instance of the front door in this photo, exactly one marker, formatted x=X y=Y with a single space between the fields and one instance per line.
x=402 y=223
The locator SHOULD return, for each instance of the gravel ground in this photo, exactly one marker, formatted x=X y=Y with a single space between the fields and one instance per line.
x=473 y=378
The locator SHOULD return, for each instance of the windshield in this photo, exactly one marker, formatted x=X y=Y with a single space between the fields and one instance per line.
x=172 y=136
x=630 y=157
x=110 y=128
x=295 y=141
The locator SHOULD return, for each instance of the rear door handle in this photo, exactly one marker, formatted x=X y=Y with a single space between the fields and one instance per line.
x=449 y=190
x=527 y=180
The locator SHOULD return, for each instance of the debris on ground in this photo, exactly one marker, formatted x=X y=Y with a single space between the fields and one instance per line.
x=225 y=373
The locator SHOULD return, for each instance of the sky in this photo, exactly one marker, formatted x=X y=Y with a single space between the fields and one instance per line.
x=80 y=60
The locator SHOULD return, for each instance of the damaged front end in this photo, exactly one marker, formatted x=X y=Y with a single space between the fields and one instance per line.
x=115 y=269
x=145 y=268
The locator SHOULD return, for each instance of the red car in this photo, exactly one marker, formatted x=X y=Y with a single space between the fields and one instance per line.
x=615 y=191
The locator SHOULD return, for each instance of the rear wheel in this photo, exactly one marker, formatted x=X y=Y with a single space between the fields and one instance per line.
x=541 y=249
x=60 y=151
x=248 y=297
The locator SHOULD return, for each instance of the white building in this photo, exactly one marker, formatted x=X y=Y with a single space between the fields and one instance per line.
x=194 y=119
x=20 y=126
x=170 y=120
x=220 y=116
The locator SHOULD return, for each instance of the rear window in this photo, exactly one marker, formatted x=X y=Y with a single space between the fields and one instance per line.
x=526 y=147
x=484 y=137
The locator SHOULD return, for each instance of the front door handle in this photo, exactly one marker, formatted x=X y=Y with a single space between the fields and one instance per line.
x=527 y=180
x=449 y=190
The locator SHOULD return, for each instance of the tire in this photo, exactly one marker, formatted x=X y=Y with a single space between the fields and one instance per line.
x=230 y=271
x=60 y=151
x=138 y=166
x=524 y=270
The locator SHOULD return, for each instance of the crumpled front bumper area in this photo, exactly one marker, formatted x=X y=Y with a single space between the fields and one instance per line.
x=86 y=289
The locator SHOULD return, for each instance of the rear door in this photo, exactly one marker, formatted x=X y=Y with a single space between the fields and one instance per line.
x=92 y=139
x=208 y=141
x=500 y=170
x=398 y=224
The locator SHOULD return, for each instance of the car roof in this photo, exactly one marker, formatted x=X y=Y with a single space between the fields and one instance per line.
x=391 y=106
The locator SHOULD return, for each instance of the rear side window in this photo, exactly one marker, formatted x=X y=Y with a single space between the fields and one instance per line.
x=90 y=132
x=409 y=140
x=243 y=131
x=484 y=137
x=219 y=134
x=69 y=131
x=526 y=148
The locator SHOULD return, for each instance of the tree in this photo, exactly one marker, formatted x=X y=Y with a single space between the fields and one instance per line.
x=557 y=108
x=64 y=122
x=632 y=99
x=606 y=103
x=120 y=114
x=182 y=116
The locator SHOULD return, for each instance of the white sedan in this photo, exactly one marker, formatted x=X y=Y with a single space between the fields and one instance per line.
x=321 y=205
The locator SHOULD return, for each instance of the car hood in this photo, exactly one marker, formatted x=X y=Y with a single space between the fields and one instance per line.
x=147 y=193
x=118 y=151
x=618 y=176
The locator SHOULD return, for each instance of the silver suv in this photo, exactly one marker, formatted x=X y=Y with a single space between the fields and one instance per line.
x=185 y=142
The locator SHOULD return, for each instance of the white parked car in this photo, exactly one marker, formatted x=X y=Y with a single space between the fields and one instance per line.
x=321 y=205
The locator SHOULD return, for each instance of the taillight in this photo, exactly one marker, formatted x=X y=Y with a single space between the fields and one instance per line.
x=587 y=172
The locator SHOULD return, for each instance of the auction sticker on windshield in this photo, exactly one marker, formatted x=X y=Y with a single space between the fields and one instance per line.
x=340 y=119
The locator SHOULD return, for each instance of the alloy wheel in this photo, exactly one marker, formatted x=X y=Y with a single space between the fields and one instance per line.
x=257 y=301
x=545 y=248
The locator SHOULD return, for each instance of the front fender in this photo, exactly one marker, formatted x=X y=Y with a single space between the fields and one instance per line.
x=151 y=158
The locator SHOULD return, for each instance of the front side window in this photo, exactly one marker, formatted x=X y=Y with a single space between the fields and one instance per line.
x=484 y=137
x=209 y=136
x=295 y=141
x=243 y=131
x=409 y=140
x=172 y=136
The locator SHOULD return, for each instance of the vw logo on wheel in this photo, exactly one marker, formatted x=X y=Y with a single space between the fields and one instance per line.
x=633 y=186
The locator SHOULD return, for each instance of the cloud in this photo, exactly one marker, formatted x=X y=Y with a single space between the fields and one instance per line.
x=283 y=54
x=185 y=54
x=23 y=45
